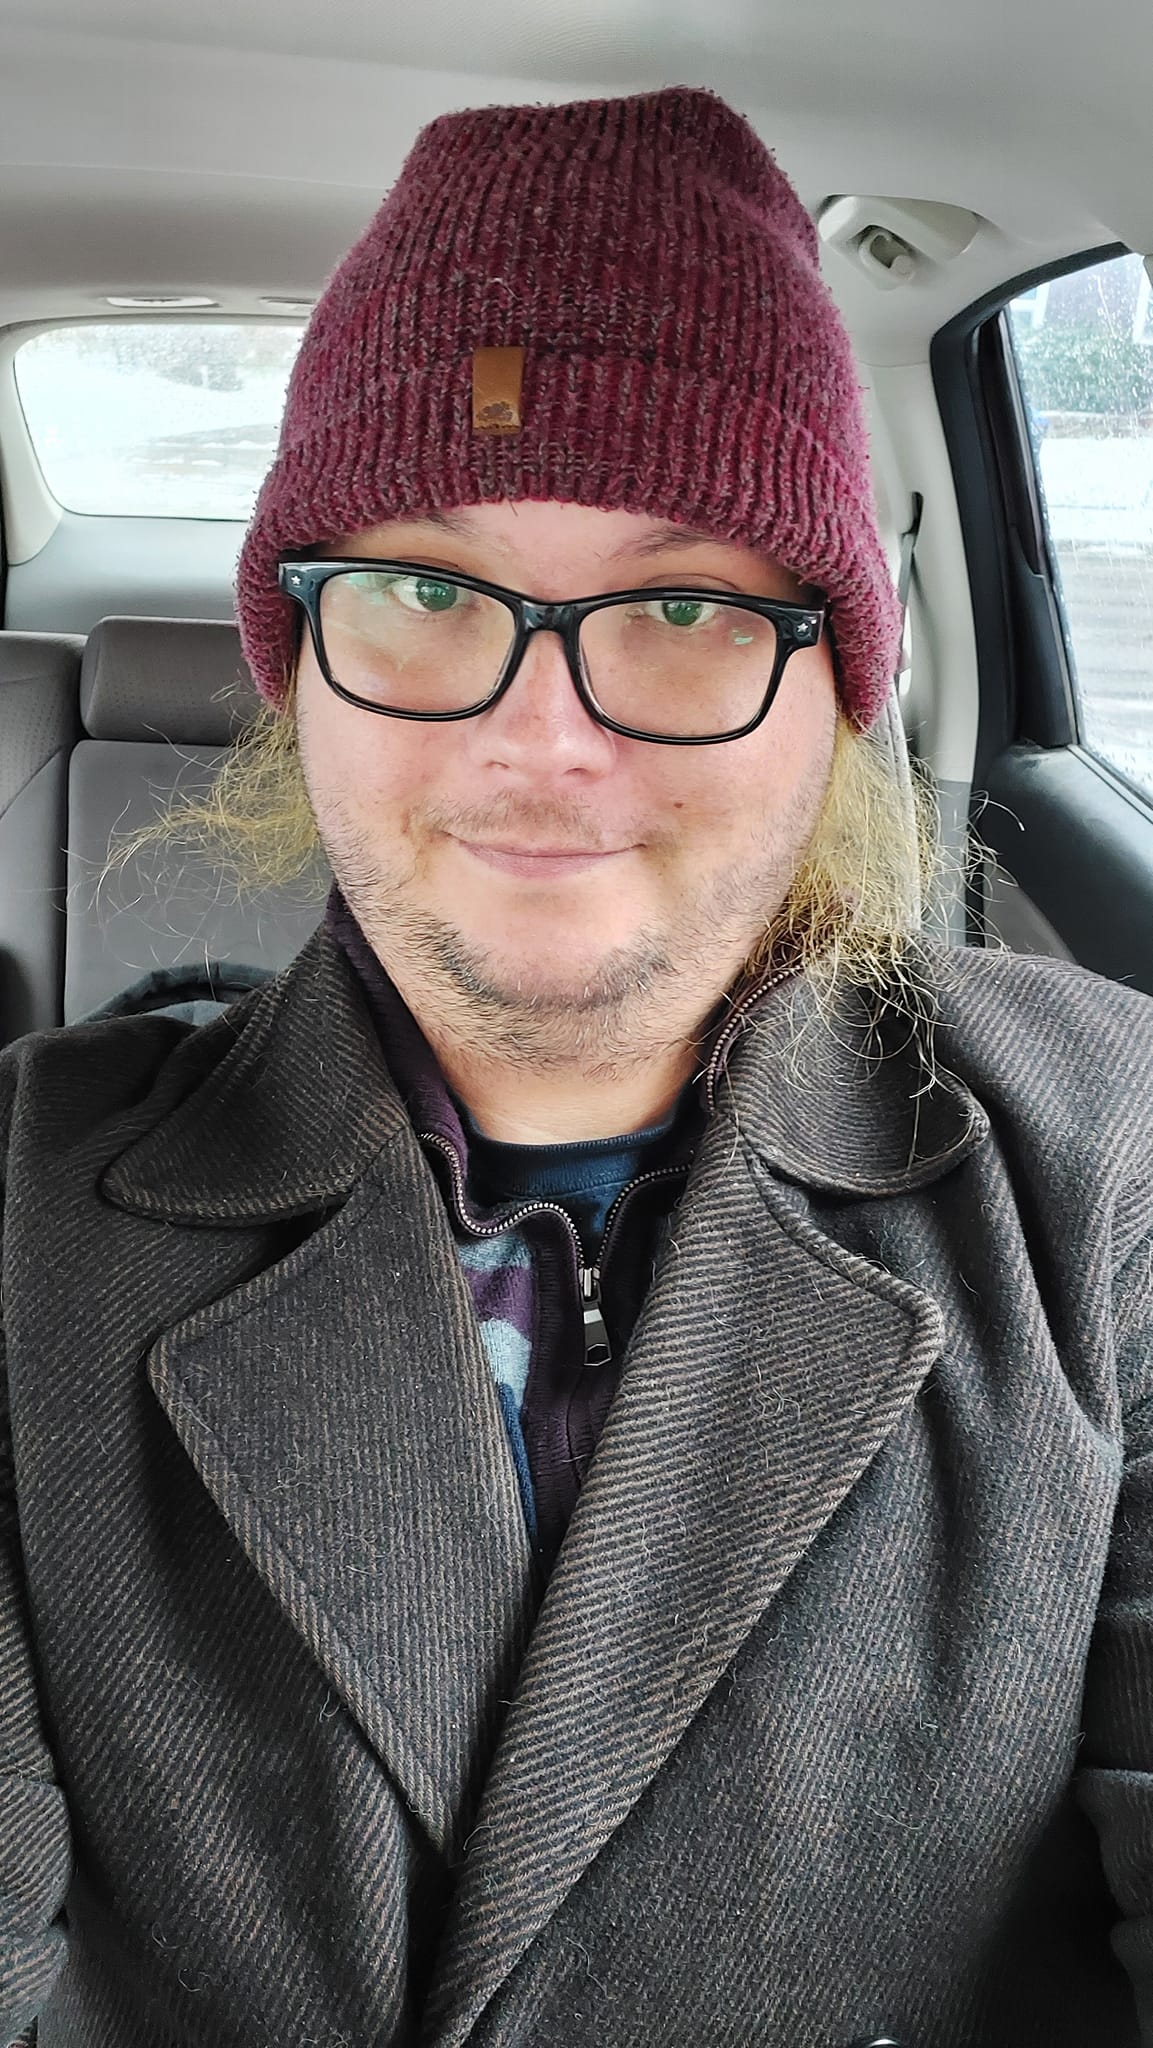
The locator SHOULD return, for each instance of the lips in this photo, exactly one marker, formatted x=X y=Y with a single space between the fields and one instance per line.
x=538 y=864
x=541 y=852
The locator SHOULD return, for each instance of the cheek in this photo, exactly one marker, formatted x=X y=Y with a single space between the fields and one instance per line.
x=353 y=759
x=768 y=786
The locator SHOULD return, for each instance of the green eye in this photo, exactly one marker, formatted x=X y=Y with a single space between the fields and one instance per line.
x=415 y=593
x=685 y=612
x=434 y=596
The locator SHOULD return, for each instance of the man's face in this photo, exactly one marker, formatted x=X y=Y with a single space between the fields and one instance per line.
x=445 y=837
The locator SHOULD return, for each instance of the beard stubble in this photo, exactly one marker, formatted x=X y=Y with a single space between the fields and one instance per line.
x=654 y=995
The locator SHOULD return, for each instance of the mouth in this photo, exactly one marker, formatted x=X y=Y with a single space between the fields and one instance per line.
x=538 y=862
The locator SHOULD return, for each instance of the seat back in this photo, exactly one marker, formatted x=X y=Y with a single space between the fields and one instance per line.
x=160 y=700
x=39 y=724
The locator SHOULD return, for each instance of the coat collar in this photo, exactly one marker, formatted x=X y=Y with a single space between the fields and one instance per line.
x=850 y=1095
x=277 y=1107
x=288 y=1099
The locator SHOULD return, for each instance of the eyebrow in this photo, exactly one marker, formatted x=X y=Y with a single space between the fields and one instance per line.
x=664 y=537
x=654 y=543
x=659 y=541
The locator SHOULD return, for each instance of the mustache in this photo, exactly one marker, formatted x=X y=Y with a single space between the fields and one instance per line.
x=545 y=822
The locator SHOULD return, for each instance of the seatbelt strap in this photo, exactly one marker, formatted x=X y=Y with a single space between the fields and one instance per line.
x=905 y=574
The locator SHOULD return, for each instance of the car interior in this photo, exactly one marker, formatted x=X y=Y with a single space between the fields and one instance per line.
x=175 y=187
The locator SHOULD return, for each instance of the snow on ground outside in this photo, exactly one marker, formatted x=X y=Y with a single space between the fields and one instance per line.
x=1099 y=497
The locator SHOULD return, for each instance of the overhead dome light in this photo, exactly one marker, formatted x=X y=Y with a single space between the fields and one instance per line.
x=288 y=305
x=160 y=302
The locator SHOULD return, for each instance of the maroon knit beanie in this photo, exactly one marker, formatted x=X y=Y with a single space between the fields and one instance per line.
x=681 y=358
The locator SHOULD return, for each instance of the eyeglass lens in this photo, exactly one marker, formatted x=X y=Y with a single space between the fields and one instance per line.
x=678 y=668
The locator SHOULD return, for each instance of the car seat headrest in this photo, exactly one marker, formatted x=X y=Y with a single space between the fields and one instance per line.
x=166 y=679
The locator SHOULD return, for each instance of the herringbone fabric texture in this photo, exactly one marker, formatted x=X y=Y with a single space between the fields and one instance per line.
x=836 y=1717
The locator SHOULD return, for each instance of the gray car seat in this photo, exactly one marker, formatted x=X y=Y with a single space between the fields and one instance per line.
x=160 y=700
x=39 y=725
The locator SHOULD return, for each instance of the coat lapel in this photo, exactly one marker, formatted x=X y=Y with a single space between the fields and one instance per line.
x=767 y=1369
x=337 y=1405
x=274 y=1110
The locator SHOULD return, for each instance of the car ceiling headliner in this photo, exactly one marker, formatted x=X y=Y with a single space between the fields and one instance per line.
x=238 y=147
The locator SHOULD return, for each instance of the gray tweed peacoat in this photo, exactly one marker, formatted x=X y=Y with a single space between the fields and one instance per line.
x=836 y=1719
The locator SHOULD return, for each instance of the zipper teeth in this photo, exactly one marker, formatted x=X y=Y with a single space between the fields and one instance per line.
x=540 y=1208
x=658 y=1173
x=506 y=1222
x=732 y=1022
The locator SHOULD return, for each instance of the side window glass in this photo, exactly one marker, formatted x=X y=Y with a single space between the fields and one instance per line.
x=1084 y=349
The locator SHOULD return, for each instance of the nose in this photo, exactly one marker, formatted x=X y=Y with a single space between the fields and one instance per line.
x=540 y=718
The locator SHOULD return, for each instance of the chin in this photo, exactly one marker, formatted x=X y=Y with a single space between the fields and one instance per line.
x=560 y=975
x=559 y=972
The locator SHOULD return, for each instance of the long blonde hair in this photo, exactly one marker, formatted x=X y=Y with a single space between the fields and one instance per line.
x=872 y=862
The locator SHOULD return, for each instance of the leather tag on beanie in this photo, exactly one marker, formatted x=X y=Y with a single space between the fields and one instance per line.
x=496 y=380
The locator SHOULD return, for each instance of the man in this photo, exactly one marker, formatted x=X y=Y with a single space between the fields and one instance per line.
x=579 y=1463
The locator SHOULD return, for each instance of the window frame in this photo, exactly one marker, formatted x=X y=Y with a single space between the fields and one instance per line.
x=1041 y=549
x=1019 y=617
x=1074 y=833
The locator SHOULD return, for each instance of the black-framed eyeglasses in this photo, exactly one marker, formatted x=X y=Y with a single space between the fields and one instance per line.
x=675 y=664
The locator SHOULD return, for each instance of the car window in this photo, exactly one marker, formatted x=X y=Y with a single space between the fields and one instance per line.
x=1084 y=349
x=160 y=419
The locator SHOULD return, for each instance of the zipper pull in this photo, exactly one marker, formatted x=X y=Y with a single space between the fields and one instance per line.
x=598 y=1350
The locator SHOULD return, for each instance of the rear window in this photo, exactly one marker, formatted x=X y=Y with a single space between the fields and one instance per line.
x=160 y=419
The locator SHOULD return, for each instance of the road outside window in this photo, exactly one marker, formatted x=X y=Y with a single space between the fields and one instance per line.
x=1084 y=346
x=161 y=419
